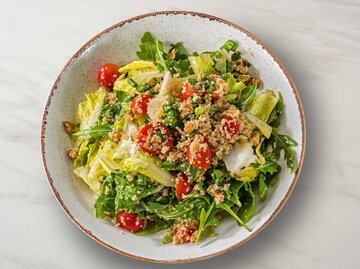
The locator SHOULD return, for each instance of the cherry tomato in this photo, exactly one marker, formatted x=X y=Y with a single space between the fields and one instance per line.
x=129 y=221
x=199 y=155
x=230 y=125
x=182 y=186
x=187 y=91
x=108 y=74
x=215 y=96
x=154 y=138
x=140 y=103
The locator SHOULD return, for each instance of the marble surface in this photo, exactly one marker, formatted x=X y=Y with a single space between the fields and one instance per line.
x=319 y=43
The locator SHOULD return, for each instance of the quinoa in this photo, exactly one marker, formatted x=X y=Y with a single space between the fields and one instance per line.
x=217 y=192
x=111 y=98
x=185 y=231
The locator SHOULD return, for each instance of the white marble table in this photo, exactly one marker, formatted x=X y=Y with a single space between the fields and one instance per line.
x=319 y=43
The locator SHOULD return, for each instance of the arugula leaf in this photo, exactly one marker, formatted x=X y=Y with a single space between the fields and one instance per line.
x=275 y=117
x=167 y=165
x=96 y=131
x=129 y=193
x=81 y=158
x=227 y=208
x=207 y=219
x=246 y=211
x=187 y=209
x=171 y=114
x=180 y=51
x=232 y=194
x=247 y=95
x=269 y=167
x=236 y=56
x=105 y=203
x=269 y=174
x=263 y=189
x=181 y=66
x=194 y=173
x=284 y=143
x=161 y=55
x=154 y=227
x=153 y=50
x=154 y=207
x=168 y=238
x=218 y=174
x=148 y=48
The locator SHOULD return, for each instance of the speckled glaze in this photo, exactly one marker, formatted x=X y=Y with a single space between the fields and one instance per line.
x=118 y=44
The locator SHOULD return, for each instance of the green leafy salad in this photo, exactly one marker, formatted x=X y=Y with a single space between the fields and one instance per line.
x=177 y=142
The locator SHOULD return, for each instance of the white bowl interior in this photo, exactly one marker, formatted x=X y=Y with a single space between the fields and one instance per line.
x=119 y=46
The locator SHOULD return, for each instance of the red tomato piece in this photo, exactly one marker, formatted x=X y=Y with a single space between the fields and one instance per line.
x=230 y=125
x=130 y=221
x=140 y=103
x=155 y=138
x=108 y=74
x=187 y=91
x=199 y=154
x=215 y=96
x=182 y=186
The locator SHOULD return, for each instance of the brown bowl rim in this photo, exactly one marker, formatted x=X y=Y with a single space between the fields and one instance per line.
x=202 y=15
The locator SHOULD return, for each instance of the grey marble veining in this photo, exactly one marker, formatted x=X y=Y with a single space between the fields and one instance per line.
x=319 y=43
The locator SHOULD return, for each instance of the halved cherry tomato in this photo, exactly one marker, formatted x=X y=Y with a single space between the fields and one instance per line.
x=108 y=74
x=182 y=186
x=230 y=125
x=215 y=96
x=200 y=154
x=154 y=138
x=187 y=91
x=140 y=103
x=130 y=221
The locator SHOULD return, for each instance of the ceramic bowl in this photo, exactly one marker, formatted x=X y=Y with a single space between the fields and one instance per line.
x=118 y=44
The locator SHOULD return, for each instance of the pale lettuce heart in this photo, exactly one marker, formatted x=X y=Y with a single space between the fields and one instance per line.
x=240 y=156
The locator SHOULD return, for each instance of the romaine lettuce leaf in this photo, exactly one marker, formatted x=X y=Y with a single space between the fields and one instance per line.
x=138 y=66
x=141 y=72
x=246 y=211
x=127 y=146
x=105 y=203
x=260 y=158
x=81 y=158
x=264 y=128
x=124 y=86
x=247 y=174
x=91 y=175
x=144 y=77
x=148 y=166
x=263 y=104
x=202 y=63
x=89 y=110
x=234 y=86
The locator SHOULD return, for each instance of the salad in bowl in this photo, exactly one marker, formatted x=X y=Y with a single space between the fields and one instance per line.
x=176 y=142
